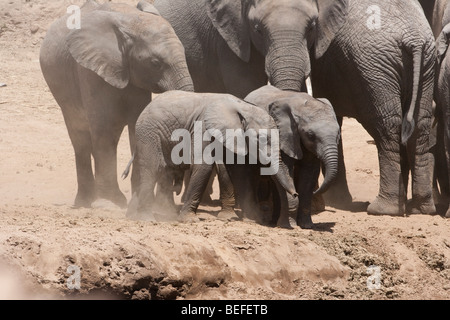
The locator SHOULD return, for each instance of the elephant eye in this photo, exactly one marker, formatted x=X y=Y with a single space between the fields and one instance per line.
x=156 y=63
x=257 y=28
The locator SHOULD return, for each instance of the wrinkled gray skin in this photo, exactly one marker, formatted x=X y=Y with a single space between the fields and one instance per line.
x=236 y=46
x=438 y=15
x=442 y=98
x=102 y=76
x=309 y=136
x=384 y=78
x=180 y=110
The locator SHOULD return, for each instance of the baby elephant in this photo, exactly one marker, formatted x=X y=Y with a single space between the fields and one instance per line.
x=181 y=130
x=310 y=126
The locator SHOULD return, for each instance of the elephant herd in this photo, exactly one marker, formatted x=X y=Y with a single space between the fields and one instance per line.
x=382 y=62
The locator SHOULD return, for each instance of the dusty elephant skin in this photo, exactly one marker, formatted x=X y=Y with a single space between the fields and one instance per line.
x=438 y=15
x=442 y=97
x=193 y=114
x=43 y=238
x=390 y=93
x=102 y=76
x=309 y=135
x=236 y=46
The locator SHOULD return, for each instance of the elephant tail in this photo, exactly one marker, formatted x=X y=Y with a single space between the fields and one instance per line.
x=408 y=124
x=127 y=169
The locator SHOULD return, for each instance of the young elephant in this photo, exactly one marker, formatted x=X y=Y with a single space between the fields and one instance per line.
x=311 y=126
x=442 y=93
x=102 y=75
x=196 y=118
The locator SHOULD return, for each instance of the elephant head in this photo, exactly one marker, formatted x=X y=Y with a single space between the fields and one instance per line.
x=303 y=122
x=244 y=118
x=286 y=32
x=131 y=47
x=316 y=126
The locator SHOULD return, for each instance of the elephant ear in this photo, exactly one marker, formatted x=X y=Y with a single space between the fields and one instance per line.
x=99 y=45
x=228 y=18
x=281 y=112
x=442 y=42
x=147 y=7
x=332 y=16
x=225 y=117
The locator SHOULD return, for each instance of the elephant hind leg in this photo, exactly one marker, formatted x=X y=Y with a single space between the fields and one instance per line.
x=422 y=174
x=391 y=199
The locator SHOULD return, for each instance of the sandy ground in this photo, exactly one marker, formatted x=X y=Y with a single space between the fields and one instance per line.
x=45 y=244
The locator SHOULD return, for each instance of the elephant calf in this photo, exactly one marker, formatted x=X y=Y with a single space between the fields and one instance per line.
x=207 y=125
x=309 y=136
x=102 y=76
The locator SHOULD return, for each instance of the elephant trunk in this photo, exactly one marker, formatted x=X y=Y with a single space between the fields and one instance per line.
x=329 y=159
x=180 y=78
x=287 y=61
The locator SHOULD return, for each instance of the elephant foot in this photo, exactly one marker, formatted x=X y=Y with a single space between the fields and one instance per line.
x=421 y=207
x=139 y=214
x=286 y=222
x=116 y=197
x=164 y=208
x=84 y=199
x=381 y=206
x=189 y=217
x=82 y=203
x=228 y=215
x=304 y=221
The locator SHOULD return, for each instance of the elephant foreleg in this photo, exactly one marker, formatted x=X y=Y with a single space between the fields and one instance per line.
x=287 y=204
x=307 y=174
x=78 y=129
x=421 y=166
x=86 y=194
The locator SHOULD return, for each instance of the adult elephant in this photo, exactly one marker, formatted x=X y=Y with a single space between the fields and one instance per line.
x=441 y=19
x=438 y=15
x=236 y=46
x=102 y=76
x=379 y=69
x=174 y=115
x=305 y=124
